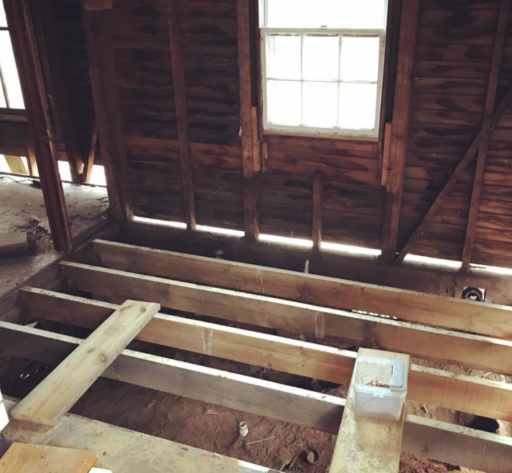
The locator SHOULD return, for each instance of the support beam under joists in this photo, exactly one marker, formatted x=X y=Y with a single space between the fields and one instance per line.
x=318 y=189
x=106 y=106
x=180 y=99
x=39 y=122
x=485 y=134
x=89 y=164
x=250 y=186
x=400 y=127
x=365 y=444
x=454 y=178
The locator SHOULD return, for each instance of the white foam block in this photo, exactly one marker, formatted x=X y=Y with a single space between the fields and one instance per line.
x=99 y=470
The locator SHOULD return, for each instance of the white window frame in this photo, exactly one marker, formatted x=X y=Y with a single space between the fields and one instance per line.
x=304 y=129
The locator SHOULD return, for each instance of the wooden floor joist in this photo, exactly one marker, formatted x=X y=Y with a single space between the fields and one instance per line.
x=424 y=437
x=60 y=390
x=450 y=313
x=366 y=444
x=427 y=385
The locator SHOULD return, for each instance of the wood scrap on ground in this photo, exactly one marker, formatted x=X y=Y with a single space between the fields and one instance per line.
x=16 y=244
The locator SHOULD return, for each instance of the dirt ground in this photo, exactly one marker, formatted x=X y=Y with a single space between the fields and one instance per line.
x=210 y=427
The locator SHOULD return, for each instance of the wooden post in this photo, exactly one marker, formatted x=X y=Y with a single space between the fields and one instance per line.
x=250 y=187
x=106 y=106
x=497 y=55
x=400 y=127
x=89 y=164
x=180 y=98
x=317 y=210
x=39 y=122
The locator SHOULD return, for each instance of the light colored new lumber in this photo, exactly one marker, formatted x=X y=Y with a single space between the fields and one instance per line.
x=372 y=332
x=432 y=439
x=365 y=444
x=16 y=164
x=126 y=451
x=450 y=313
x=28 y=458
x=429 y=386
x=59 y=391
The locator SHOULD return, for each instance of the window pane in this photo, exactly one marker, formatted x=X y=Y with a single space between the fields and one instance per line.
x=364 y=14
x=320 y=104
x=285 y=13
x=284 y=57
x=358 y=103
x=320 y=13
x=3 y=19
x=360 y=59
x=321 y=56
x=10 y=72
x=284 y=102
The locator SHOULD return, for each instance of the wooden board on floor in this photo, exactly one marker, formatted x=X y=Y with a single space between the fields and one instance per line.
x=28 y=458
x=15 y=244
x=57 y=394
x=365 y=444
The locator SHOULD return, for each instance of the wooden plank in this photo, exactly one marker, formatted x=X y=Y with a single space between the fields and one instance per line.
x=39 y=120
x=256 y=144
x=428 y=386
x=89 y=164
x=123 y=450
x=16 y=165
x=180 y=101
x=400 y=127
x=453 y=180
x=424 y=437
x=106 y=106
x=365 y=444
x=250 y=187
x=485 y=134
x=59 y=391
x=318 y=190
x=27 y=458
x=446 y=312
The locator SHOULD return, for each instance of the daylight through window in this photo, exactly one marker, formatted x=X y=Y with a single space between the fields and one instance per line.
x=323 y=65
x=10 y=89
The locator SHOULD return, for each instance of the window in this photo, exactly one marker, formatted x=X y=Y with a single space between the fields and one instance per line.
x=322 y=65
x=10 y=89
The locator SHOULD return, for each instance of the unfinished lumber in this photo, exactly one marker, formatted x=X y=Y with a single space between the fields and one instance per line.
x=123 y=450
x=16 y=164
x=427 y=385
x=436 y=440
x=447 y=312
x=55 y=396
x=16 y=244
x=492 y=89
x=29 y=458
x=366 y=444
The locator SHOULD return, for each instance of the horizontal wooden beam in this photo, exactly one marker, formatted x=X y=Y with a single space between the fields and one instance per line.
x=450 y=313
x=424 y=437
x=427 y=385
x=125 y=450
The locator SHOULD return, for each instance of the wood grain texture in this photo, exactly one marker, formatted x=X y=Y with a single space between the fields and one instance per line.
x=27 y=458
x=442 y=441
x=59 y=391
x=428 y=386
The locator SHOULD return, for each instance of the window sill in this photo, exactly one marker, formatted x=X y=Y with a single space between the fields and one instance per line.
x=13 y=115
x=270 y=136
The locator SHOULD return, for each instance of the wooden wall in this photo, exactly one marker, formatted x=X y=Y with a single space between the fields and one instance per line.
x=451 y=75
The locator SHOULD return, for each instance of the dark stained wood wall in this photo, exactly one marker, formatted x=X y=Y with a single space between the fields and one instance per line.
x=453 y=57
